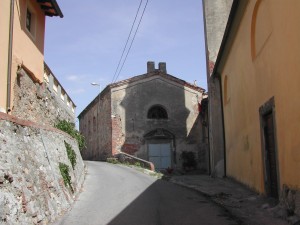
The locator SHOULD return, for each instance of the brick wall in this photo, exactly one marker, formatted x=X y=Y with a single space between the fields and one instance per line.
x=96 y=125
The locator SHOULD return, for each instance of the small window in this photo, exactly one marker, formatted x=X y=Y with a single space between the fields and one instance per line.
x=157 y=112
x=30 y=22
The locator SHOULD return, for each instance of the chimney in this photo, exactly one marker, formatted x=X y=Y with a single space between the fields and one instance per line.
x=162 y=67
x=150 y=67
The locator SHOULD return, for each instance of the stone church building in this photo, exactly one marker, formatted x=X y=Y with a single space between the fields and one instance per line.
x=154 y=116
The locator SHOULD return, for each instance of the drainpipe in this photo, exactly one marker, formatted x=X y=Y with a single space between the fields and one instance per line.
x=223 y=121
x=9 y=63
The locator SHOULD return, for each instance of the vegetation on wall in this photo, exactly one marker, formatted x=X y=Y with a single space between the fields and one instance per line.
x=112 y=160
x=64 y=171
x=69 y=128
x=71 y=154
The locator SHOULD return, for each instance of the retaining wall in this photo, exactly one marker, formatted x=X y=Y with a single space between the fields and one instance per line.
x=32 y=190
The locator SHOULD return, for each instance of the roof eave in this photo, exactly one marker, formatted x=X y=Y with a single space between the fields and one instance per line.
x=236 y=13
x=47 y=9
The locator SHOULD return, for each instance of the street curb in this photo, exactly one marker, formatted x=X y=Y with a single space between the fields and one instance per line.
x=206 y=195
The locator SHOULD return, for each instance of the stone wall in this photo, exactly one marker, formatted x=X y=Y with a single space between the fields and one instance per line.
x=95 y=124
x=216 y=15
x=117 y=120
x=32 y=190
x=130 y=106
x=34 y=102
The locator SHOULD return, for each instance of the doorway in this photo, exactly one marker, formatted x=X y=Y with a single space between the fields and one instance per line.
x=160 y=155
x=161 y=148
x=267 y=114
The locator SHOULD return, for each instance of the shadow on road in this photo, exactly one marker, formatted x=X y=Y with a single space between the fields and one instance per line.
x=169 y=204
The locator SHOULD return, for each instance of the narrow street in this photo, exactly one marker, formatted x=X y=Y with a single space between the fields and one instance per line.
x=118 y=195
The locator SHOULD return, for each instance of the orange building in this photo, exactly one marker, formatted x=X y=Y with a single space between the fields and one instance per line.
x=258 y=69
x=22 y=34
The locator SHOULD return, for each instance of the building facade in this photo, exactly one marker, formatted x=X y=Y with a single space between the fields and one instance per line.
x=216 y=13
x=258 y=66
x=154 y=116
x=28 y=88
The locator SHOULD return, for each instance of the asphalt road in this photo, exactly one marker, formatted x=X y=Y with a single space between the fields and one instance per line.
x=118 y=195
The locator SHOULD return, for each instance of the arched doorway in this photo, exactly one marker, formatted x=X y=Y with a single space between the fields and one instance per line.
x=160 y=148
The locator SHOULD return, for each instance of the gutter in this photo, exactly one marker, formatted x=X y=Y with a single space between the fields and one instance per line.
x=9 y=63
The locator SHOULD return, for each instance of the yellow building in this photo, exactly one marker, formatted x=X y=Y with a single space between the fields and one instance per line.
x=22 y=31
x=258 y=68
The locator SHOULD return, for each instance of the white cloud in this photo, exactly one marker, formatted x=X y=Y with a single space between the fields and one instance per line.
x=77 y=91
x=73 y=78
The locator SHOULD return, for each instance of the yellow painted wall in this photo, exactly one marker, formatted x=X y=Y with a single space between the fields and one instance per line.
x=27 y=49
x=264 y=61
x=4 y=30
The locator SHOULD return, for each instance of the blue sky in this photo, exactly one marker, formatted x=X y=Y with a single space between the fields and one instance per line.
x=85 y=46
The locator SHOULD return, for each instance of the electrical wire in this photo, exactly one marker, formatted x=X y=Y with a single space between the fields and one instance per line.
x=115 y=79
x=127 y=40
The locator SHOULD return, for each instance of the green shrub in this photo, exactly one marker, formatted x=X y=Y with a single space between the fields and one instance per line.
x=69 y=128
x=112 y=160
x=71 y=154
x=137 y=164
x=64 y=171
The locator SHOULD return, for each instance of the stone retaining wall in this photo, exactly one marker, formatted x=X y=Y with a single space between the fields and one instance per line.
x=34 y=102
x=32 y=190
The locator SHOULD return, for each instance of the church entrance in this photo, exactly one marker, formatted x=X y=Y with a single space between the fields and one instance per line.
x=160 y=148
x=160 y=155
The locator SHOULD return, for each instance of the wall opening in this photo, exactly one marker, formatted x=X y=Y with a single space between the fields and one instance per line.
x=269 y=148
x=157 y=112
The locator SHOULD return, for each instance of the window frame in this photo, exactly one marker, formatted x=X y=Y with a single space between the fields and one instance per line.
x=33 y=21
x=157 y=107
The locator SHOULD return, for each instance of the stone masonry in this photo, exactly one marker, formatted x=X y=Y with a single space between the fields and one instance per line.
x=118 y=121
x=32 y=190
x=34 y=102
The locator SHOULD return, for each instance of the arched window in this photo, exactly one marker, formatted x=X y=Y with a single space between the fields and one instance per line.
x=157 y=112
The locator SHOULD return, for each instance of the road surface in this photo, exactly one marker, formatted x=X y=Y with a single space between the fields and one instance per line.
x=118 y=195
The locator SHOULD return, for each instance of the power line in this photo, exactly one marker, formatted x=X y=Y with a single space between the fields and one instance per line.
x=127 y=40
x=132 y=41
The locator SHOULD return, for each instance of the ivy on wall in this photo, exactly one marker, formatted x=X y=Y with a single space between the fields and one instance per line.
x=69 y=128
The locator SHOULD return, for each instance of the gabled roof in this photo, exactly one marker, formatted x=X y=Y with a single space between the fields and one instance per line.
x=155 y=73
x=50 y=7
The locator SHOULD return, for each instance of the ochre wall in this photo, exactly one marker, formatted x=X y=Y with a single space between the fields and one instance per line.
x=263 y=62
x=4 y=35
x=27 y=49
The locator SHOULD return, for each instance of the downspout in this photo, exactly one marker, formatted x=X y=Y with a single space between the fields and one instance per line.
x=223 y=125
x=9 y=63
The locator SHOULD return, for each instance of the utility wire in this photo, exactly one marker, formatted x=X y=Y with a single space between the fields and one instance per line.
x=127 y=41
x=132 y=41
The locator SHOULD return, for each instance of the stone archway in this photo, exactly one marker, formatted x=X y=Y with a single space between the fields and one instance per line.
x=161 y=148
